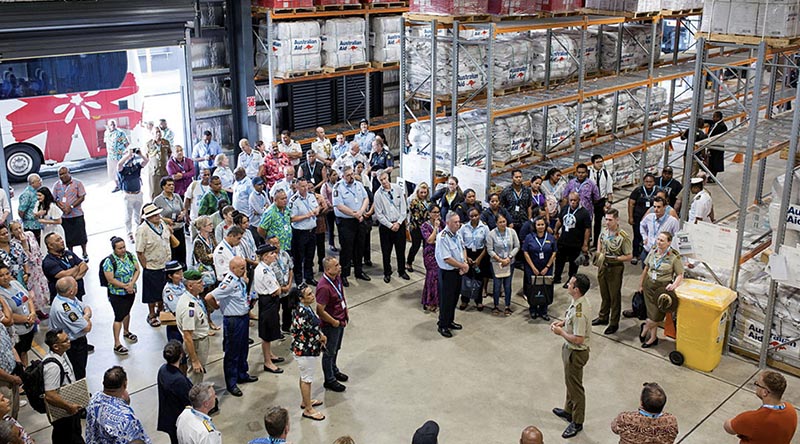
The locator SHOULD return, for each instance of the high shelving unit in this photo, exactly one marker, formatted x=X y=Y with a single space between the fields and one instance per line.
x=654 y=132
x=355 y=103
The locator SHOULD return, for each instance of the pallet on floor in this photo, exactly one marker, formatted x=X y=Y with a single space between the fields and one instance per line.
x=329 y=69
x=296 y=74
x=626 y=14
x=476 y=18
x=518 y=89
x=674 y=12
x=519 y=158
x=387 y=5
x=340 y=7
x=381 y=65
x=775 y=42
x=288 y=12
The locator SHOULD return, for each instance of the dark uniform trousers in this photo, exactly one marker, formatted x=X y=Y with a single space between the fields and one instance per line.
x=234 y=345
x=449 y=289
x=574 y=361
x=599 y=212
x=67 y=431
x=351 y=250
x=331 y=351
x=637 y=239
x=610 y=279
x=78 y=355
x=396 y=239
x=566 y=253
x=303 y=245
x=174 y=334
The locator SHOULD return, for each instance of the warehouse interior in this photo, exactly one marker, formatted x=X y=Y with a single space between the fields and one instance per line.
x=477 y=89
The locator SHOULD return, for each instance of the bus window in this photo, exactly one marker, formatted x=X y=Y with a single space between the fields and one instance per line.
x=61 y=75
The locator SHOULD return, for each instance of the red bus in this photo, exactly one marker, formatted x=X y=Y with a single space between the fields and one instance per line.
x=55 y=109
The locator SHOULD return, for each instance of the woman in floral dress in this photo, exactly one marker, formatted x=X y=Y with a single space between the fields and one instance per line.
x=432 y=227
x=417 y=215
x=12 y=254
x=37 y=283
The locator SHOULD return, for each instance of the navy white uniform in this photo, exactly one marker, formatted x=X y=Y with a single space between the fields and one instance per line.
x=67 y=314
x=303 y=236
x=197 y=428
x=170 y=295
x=448 y=245
x=391 y=207
x=353 y=197
x=234 y=301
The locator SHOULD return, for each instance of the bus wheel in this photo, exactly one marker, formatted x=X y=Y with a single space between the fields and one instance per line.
x=21 y=160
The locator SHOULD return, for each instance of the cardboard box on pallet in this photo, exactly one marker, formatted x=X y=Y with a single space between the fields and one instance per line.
x=777 y=19
x=512 y=7
x=283 y=4
x=449 y=7
x=715 y=16
x=743 y=18
x=558 y=5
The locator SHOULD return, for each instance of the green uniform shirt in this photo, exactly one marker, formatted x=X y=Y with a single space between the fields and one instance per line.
x=615 y=245
x=578 y=323
x=663 y=269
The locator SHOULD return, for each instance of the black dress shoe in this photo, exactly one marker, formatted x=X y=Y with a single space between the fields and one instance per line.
x=250 y=341
x=628 y=314
x=534 y=316
x=445 y=332
x=345 y=282
x=335 y=386
x=277 y=360
x=545 y=317
x=454 y=326
x=598 y=321
x=235 y=391
x=405 y=276
x=387 y=279
x=611 y=329
x=90 y=348
x=311 y=282
x=247 y=380
x=341 y=377
x=277 y=370
x=566 y=285
x=563 y=414
x=363 y=277
x=652 y=344
x=367 y=263
x=572 y=430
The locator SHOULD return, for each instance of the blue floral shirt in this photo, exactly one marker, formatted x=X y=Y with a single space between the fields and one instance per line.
x=125 y=269
x=110 y=420
x=27 y=205
x=116 y=143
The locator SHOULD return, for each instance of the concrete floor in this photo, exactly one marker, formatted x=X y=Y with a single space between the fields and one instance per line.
x=495 y=377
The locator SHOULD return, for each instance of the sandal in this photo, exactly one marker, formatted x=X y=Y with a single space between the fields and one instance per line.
x=496 y=311
x=314 y=403
x=153 y=321
x=132 y=338
x=507 y=311
x=120 y=350
x=316 y=416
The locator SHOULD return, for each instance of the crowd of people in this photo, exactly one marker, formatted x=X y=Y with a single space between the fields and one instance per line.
x=245 y=241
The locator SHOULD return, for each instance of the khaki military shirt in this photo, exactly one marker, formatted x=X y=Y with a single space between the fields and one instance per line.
x=663 y=268
x=578 y=323
x=615 y=245
x=190 y=315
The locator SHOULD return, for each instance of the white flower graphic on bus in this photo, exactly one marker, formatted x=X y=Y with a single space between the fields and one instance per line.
x=76 y=102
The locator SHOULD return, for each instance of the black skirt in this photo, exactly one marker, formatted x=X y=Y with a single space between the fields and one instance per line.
x=269 y=323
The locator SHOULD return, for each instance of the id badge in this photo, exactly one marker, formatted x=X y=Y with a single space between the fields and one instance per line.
x=647 y=204
x=516 y=209
x=653 y=275
x=312 y=181
x=344 y=305
x=566 y=229
x=541 y=255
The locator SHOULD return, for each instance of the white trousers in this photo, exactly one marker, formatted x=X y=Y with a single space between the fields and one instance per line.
x=133 y=210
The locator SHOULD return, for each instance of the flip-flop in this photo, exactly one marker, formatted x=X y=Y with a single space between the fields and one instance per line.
x=131 y=337
x=315 y=418
x=314 y=403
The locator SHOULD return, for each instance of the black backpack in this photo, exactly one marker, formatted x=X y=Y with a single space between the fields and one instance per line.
x=33 y=382
x=102 y=275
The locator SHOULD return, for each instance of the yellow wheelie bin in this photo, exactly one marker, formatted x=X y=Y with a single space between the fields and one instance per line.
x=702 y=321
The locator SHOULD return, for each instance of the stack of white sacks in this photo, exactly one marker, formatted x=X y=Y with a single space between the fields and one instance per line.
x=625 y=5
x=562 y=50
x=512 y=138
x=658 y=99
x=605 y=112
x=344 y=42
x=471 y=142
x=512 y=60
x=385 y=39
x=470 y=75
x=295 y=47
x=776 y=18
x=634 y=38
x=560 y=129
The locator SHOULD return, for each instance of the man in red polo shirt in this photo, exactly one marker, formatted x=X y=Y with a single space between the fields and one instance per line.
x=774 y=423
x=332 y=310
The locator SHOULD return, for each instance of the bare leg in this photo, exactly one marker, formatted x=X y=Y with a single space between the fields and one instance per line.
x=305 y=393
x=268 y=356
x=126 y=324
x=117 y=326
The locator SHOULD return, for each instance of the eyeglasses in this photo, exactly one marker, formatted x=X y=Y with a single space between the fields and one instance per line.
x=755 y=383
x=435 y=212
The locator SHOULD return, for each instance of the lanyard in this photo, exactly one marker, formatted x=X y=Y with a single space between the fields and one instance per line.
x=199 y=303
x=179 y=164
x=203 y=417
x=503 y=239
x=648 y=196
x=390 y=194
x=571 y=213
x=16 y=296
x=158 y=232
x=650 y=415
x=774 y=407
x=542 y=243
x=661 y=182
x=311 y=170
x=471 y=230
x=170 y=203
x=660 y=260
x=338 y=290
x=228 y=246
x=517 y=196
x=580 y=186
x=657 y=225
x=205 y=243
x=280 y=265
x=305 y=202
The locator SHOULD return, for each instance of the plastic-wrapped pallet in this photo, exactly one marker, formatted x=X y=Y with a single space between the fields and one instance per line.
x=588 y=117
x=632 y=56
x=778 y=189
x=625 y=5
x=560 y=126
x=561 y=64
x=680 y=5
x=626 y=170
x=512 y=60
x=512 y=137
x=658 y=99
x=512 y=7
x=385 y=38
x=449 y=7
x=295 y=47
x=344 y=42
x=470 y=142
x=605 y=112
x=418 y=53
x=589 y=50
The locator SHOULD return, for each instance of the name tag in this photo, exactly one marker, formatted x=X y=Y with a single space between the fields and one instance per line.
x=516 y=208
x=344 y=305
x=647 y=204
x=541 y=255
x=311 y=180
x=653 y=274
x=566 y=229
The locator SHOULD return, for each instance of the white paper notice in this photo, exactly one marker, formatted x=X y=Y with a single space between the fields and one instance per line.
x=475 y=178
x=713 y=244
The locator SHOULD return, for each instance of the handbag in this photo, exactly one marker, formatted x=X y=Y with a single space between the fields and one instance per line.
x=77 y=392
x=540 y=291
x=470 y=287
x=638 y=306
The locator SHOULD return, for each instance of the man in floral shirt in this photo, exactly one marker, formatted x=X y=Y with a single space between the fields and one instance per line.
x=116 y=144
x=109 y=417
x=274 y=162
x=27 y=206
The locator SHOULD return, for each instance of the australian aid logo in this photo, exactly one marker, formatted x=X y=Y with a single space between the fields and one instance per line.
x=754 y=333
x=71 y=126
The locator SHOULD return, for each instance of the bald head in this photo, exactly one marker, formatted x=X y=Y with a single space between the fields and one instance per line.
x=531 y=435
x=67 y=286
x=238 y=266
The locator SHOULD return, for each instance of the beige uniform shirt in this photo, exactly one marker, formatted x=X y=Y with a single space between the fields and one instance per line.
x=577 y=322
x=615 y=245
x=154 y=246
x=190 y=315
x=663 y=268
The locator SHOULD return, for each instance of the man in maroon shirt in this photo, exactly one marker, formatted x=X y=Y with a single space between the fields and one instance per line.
x=332 y=310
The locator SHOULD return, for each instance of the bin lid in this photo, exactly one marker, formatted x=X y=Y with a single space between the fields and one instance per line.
x=706 y=293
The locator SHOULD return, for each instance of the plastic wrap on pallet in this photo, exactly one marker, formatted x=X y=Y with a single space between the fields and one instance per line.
x=562 y=51
x=605 y=112
x=777 y=19
x=554 y=6
x=681 y=5
x=286 y=65
x=512 y=137
x=344 y=42
x=634 y=38
x=344 y=26
x=385 y=24
x=633 y=6
x=290 y=30
x=716 y=14
x=449 y=7
x=385 y=40
x=589 y=51
x=470 y=140
x=658 y=101
x=208 y=54
x=512 y=60
x=588 y=117
x=778 y=188
x=560 y=129
x=336 y=2
x=512 y=7
x=418 y=51
x=283 y=4
x=626 y=170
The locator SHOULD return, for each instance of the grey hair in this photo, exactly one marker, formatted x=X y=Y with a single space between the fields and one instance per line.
x=7 y=431
x=201 y=221
x=201 y=394
x=453 y=214
x=33 y=177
